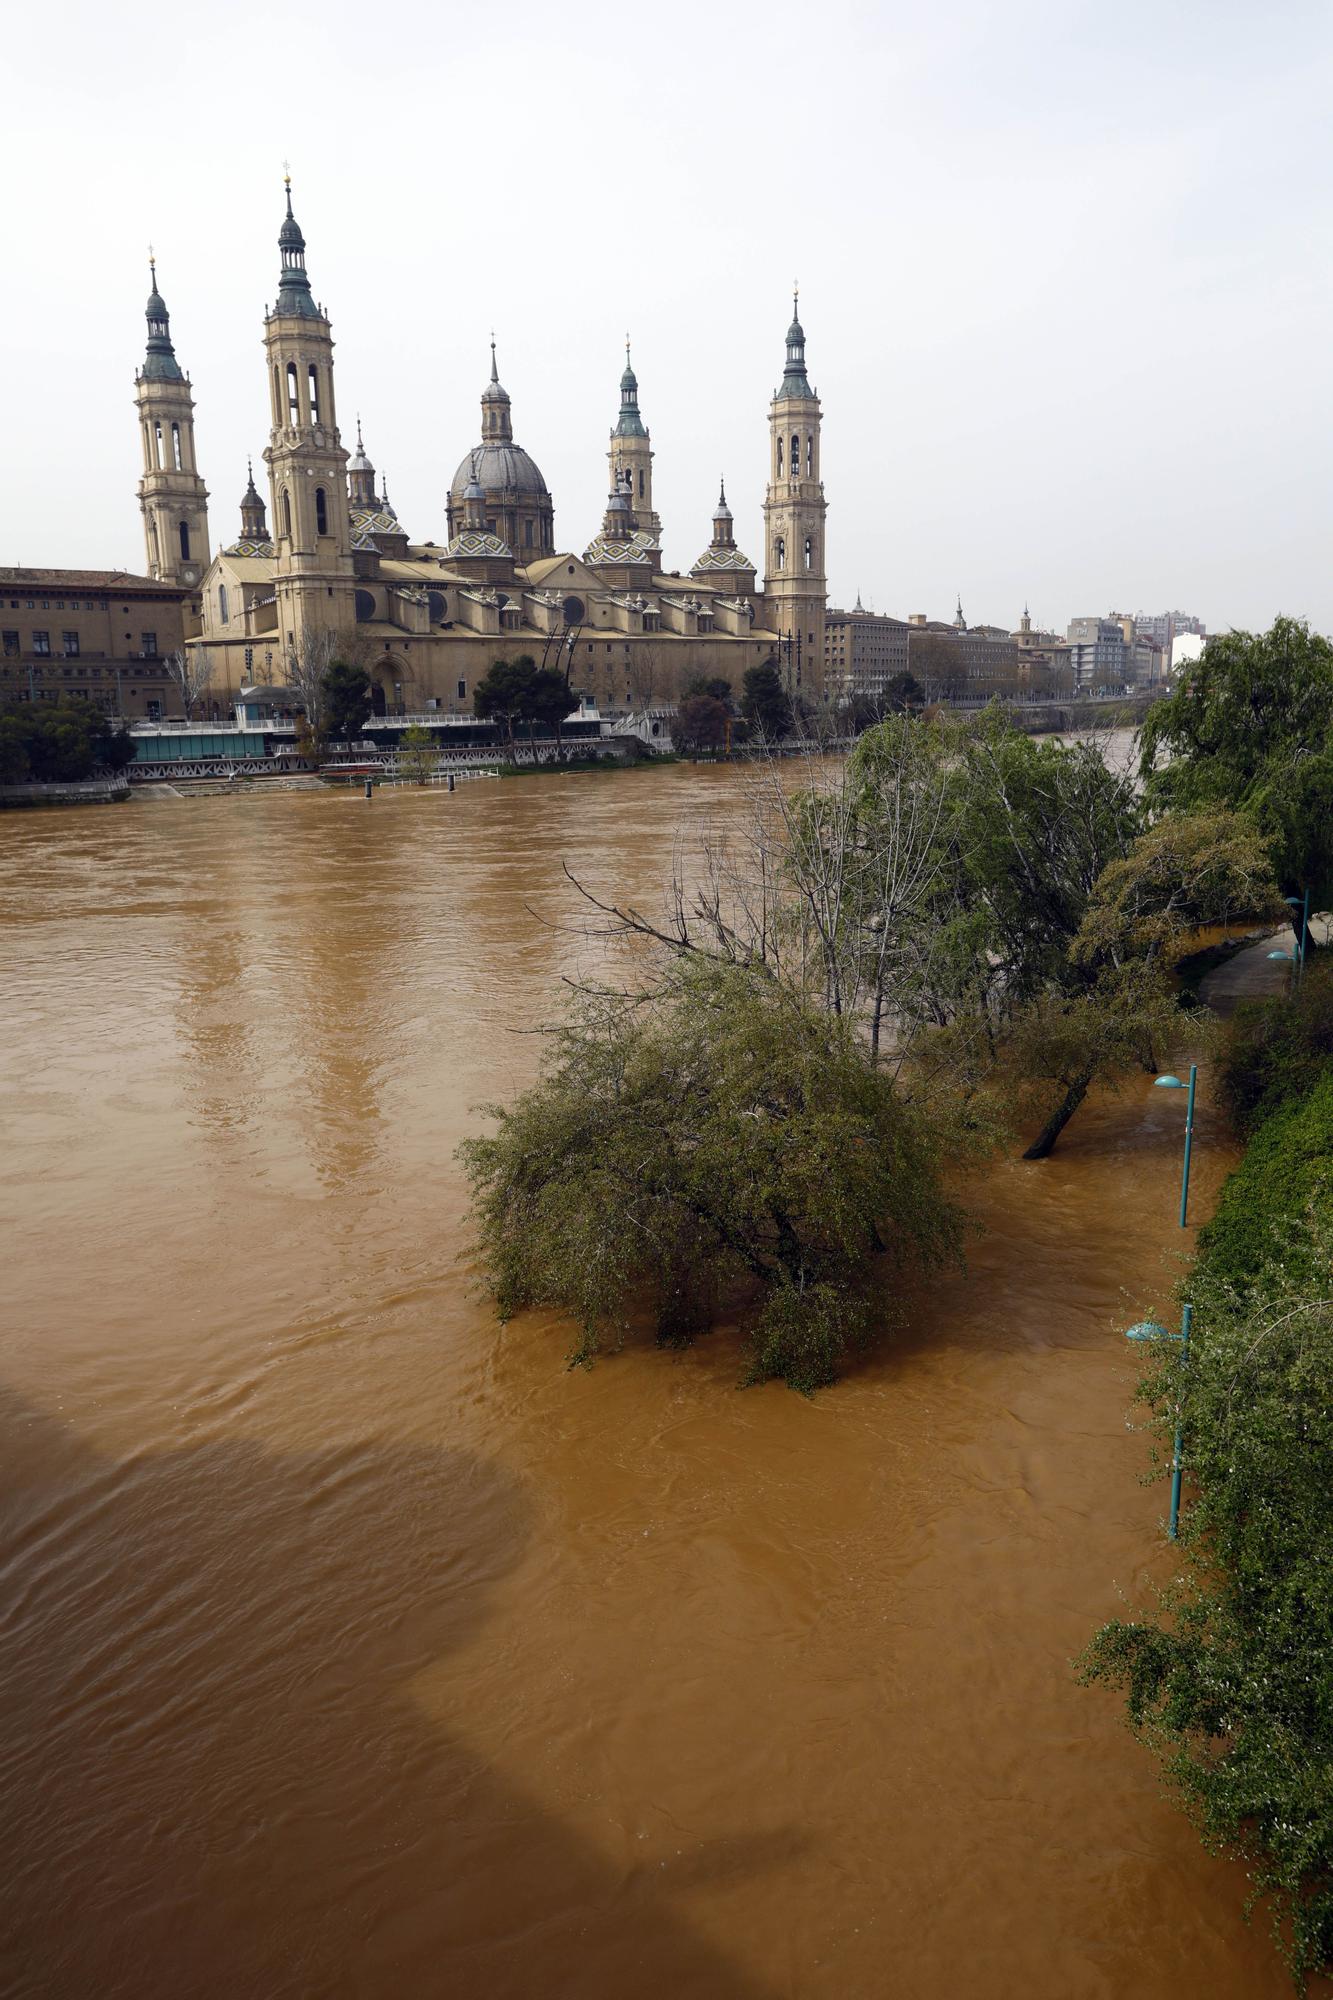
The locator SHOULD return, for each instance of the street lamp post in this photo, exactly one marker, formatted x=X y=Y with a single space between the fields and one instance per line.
x=1303 y=902
x=1174 y=1083
x=1151 y=1329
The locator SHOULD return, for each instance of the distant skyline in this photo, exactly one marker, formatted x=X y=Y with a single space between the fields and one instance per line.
x=1064 y=275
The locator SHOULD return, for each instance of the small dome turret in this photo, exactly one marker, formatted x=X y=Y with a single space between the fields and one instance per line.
x=160 y=363
x=294 y=296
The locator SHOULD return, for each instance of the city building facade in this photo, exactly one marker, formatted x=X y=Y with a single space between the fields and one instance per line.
x=101 y=636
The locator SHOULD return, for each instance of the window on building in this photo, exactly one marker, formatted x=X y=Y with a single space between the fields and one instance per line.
x=249 y=658
x=148 y=645
x=779 y=458
x=321 y=508
x=810 y=456
x=157 y=440
x=176 y=447
x=314 y=394
x=185 y=541
x=11 y=645
x=809 y=552
x=286 y=513
x=293 y=398
x=222 y=604
x=70 y=642
x=462 y=690
x=779 y=554
x=41 y=643
x=527 y=534
x=154 y=710
x=795 y=456
x=640 y=482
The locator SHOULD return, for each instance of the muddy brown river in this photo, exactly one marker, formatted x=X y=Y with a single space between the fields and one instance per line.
x=351 y=1646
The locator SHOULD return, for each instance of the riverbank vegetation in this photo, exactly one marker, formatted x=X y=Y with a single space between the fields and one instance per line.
x=59 y=743
x=966 y=929
x=1230 y=1677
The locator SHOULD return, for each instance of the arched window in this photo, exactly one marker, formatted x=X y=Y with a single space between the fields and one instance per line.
x=779 y=458
x=286 y=513
x=527 y=534
x=779 y=553
x=809 y=552
x=810 y=455
x=795 y=455
x=222 y=604
x=293 y=400
x=185 y=541
x=314 y=394
x=176 y=446
x=277 y=395
x=152 y=545
x=640 y=482
x=321 y=512
x=365 y=606
x=157 y=437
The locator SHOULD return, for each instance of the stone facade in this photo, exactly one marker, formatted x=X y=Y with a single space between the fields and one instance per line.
x=93 y=635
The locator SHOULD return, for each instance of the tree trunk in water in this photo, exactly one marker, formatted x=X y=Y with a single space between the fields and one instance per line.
x=1044 y=1142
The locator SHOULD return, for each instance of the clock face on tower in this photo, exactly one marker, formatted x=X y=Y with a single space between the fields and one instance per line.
x=190 y=573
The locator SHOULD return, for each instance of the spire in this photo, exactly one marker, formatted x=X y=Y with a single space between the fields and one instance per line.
x=254 y=526
x=723 y=533
x=360 y=474
x=959 y=621
x=497 y=423
x=629 y=423
x=795 y=381
x=294 y=298
x=160 y=363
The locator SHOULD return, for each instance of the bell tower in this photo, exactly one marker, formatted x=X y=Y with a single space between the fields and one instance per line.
x=631 y=453
x=307 y=466
x=795 y=582
x=172 y=496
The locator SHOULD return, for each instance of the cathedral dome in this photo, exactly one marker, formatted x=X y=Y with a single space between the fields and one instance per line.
x=499 y=469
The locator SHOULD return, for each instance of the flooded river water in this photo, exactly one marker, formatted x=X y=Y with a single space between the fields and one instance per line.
x=353 y=1647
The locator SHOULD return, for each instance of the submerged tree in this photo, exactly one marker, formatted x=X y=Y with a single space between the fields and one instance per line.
x=718 y=1138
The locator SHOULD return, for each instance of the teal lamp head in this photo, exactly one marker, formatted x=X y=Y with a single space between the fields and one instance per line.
x=1167 y=1083
x=1148 y=1329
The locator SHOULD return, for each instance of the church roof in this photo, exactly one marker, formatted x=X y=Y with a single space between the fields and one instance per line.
x=612 y=549
x=374 y=521
x=724 y=559
x=499 y=469
x=477 y=542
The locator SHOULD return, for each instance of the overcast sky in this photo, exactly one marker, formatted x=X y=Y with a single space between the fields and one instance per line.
x=1064 y=272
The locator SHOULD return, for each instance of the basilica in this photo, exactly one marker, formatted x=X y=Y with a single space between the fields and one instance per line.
x=323 y=567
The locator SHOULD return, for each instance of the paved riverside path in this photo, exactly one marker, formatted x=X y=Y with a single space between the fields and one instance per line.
x=1251 y=974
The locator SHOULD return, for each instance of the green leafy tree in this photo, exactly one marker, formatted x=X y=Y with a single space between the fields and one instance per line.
x=347 y=700
x=715 y=686
x=1250 y=725
x=548 y=702
x=15 y=764
x=418 y=754
x=764 y=702
x=505 y=692
x=716 y=1138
